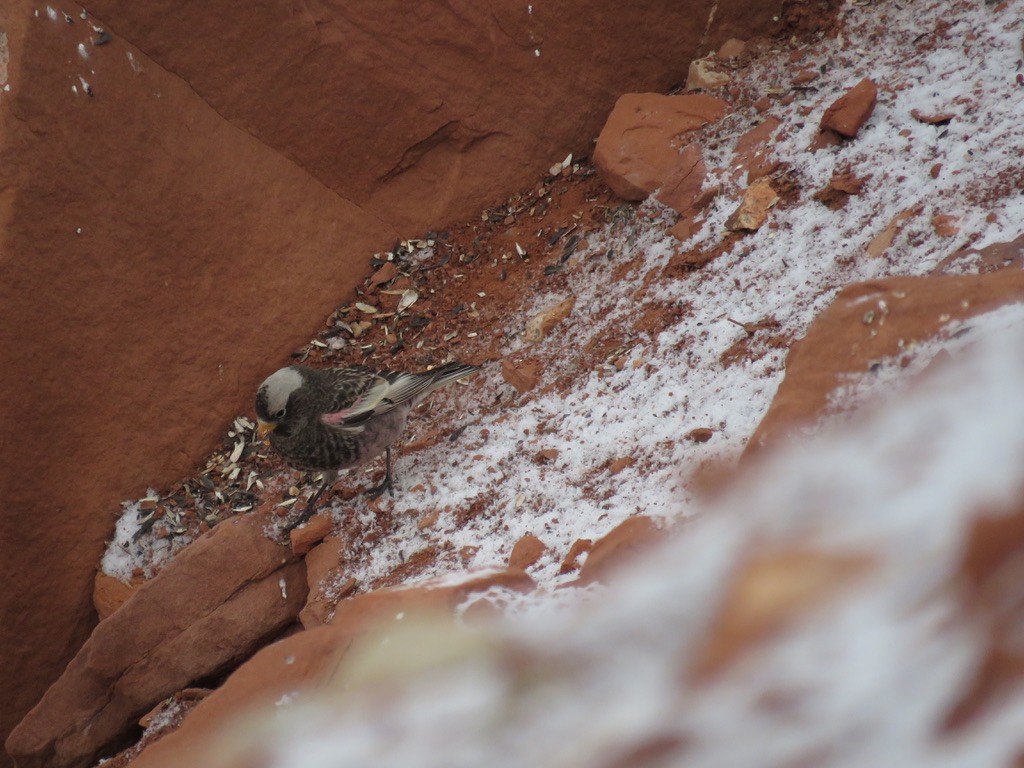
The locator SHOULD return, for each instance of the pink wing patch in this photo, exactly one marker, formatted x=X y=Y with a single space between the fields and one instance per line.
x=364 y=403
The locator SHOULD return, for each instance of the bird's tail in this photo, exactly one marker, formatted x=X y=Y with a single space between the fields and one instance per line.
x=416 y=386
x=390 y=390
x=445 y=374
x=449 y=372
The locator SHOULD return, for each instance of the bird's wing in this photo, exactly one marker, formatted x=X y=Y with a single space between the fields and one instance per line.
x=416 y=386
x=361 y=409
x=406 y=386
x=387 y=391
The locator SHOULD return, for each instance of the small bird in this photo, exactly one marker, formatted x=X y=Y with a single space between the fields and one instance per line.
x=327 y=419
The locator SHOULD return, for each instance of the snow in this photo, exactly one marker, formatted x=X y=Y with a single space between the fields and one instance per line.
x=788 y=271
x=866 y=679
x=886 y=374
x=131 y=552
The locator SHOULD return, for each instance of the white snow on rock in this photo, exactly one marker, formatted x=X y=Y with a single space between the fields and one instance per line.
x=132 y=550
x=788 y=271
x=867 y=677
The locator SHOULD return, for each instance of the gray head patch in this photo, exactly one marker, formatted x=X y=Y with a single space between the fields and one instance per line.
x=273 y=393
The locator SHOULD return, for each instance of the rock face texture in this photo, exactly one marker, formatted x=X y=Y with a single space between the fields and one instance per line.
x=851 y=110
x=752 y=212
x=869 y=322
x=313 y=658
x=144 y=238
x=681 y=190
x=394 y=106
x=182 y=203
x=639 y=146
x=212 y=605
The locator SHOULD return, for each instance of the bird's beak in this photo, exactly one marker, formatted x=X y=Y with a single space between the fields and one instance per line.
x=264 y=428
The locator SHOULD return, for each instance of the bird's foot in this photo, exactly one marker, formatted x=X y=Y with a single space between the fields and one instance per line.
x=303 y=517
x=308 y=512
x=378 y=490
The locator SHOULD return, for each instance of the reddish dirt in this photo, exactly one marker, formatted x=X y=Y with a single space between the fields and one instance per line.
x=210 y=202
x=467 y=288
x=450 y=319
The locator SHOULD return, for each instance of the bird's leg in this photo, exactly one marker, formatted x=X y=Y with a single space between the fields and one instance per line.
x=329 y=477
x=387 y=485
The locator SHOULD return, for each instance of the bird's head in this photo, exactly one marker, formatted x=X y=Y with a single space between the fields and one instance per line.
x=274 y=398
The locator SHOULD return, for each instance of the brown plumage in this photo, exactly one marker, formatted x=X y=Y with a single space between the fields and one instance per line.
x=327 y=419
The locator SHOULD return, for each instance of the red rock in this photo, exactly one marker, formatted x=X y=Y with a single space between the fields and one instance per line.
x=638 y=148
x=627 y=540
x=805 y=76
x=847 y=182
x=309 y=659
x=682 y=229
x=401 y=283
x=945 y=224
x=323 y=571
x=823 y=139
x=767 y=592
x=839 y=342
x=851 y=110
x=310 y=533
x=147 y=325
x=763 y=104
x=705 y=75
x=385 y=274
x=753 y=154
x=571 y=561
x=937 y=118
x=987 y=259
x=686 y=260
x=527 y=551
x=935 y=170
x=752 y=212
x=428 y=520
x=109 y=593
x=731 y=49
x=840 y=187
x=880 y=242
x=546 y=455
x=541 y=324
x=301 y=660
x=481 y=612
x=522 y=375
x=212 y=605
x=620 y=464
x=700 y=434
x=223 y=115
x=362 y=612
x=165 y=718
x=187 y=694
x=994 y=546
x=683 y=186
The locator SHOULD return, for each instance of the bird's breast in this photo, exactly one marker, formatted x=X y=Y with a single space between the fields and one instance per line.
x=320 y=447
x=380 y=432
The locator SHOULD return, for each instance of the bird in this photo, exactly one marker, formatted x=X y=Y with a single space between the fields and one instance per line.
x=327 y=419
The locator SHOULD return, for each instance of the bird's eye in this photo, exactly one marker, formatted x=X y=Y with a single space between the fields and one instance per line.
x=279 y=414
